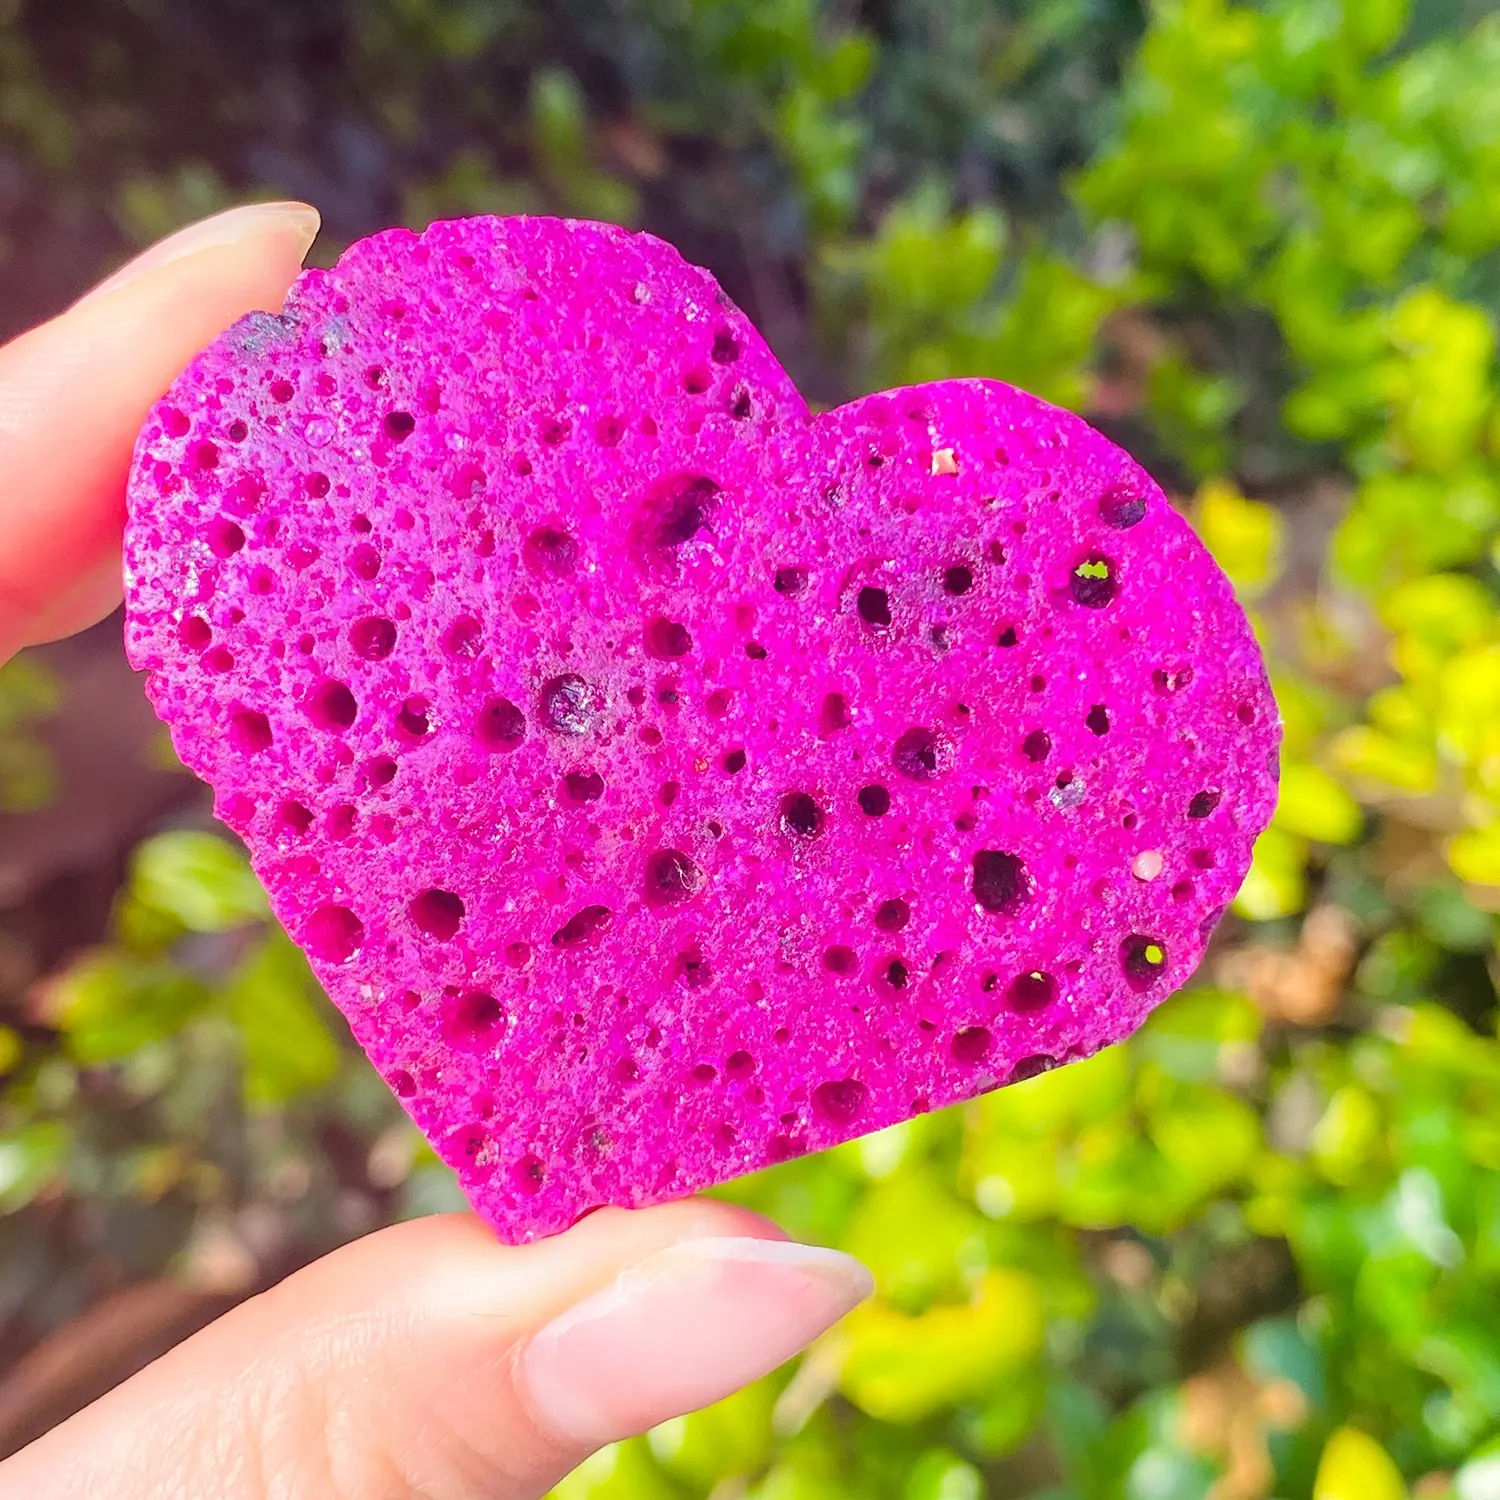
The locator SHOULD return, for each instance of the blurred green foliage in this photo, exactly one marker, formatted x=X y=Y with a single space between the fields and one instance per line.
x=1255 y=1251
x=28 y=696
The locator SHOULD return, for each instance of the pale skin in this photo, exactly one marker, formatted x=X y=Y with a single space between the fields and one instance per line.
x=428 y=1359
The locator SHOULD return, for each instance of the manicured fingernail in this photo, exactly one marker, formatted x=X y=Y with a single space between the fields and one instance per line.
x=299 y=221
x=682 y=1329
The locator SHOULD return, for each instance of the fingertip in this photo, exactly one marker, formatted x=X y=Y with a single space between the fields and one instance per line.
x=285 y=230
x=680 y=1330
x=74 y=393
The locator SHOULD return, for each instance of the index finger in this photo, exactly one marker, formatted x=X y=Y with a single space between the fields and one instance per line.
x=74 y=393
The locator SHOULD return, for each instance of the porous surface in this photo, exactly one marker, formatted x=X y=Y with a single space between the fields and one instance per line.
x=662 y=781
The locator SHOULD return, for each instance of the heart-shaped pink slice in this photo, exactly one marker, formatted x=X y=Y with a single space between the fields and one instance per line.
x=663 y=781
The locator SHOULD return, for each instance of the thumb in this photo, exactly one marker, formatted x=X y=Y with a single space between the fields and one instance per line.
x=74 y=392
x=430 y=1360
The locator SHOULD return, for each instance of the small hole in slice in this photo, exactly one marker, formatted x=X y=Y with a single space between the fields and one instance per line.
x=1094 y=582
x=1121 y=507
x=1144 y=961
x=373 y=638
x=1034 y=990
x=1171 y=681
x=840 y=960
x=551 y=551
x=194 y=633
x=683 y=508
x=1204 y=803
x=833 y=716
x=464 y=639
x=672 y=877
x=584 y=786
x=874 y=606
x=333 y=934
x=414 y=719
x=437 y=913
x=569 y=705
x=583 y=925
x=528 y=1175
x=1032 y=1067
x=971 y=1045
x=293 y=818
x=801 y=816
x=381 y=771
x=224 y=537
x=666 y=640
x=500 y=725
x=1001 y=884
x=249 y=731
x=475 y=1018
x=921 y=754
x=840 y=1100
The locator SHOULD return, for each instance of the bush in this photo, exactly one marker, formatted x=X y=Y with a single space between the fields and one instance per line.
x=1253 y=1252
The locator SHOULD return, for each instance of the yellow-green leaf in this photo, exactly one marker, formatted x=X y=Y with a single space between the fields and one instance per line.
x=199 y=879
x=1475 y=855
x=1276 y=883
x=286 y=1045
x=901 y=1368
x=1313 y=804
x=1355 y=1467
x=1245 y=536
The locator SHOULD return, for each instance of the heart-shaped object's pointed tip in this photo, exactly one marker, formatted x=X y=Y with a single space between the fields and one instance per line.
x=663 y=781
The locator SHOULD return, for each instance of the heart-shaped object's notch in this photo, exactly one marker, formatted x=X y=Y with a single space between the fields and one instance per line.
x=664 y=781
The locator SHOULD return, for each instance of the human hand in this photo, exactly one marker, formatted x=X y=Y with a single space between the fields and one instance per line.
x=426 y=1360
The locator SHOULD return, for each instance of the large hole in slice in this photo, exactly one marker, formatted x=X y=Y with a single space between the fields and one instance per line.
x=874 y=606
x=1144 y=960
x=921 y=753
x=331 y=706
x=801 y=816
x=500 y=725
x=584 y=925
x=569 y=704
x=437 y=913
x=333 y=934
x=840 y=1099
x=672 y=877
x=1001 y=884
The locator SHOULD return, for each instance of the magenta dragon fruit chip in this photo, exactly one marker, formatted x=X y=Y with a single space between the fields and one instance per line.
x=665 y=781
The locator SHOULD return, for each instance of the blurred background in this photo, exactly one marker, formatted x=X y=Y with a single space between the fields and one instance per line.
x=1253 y=1253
